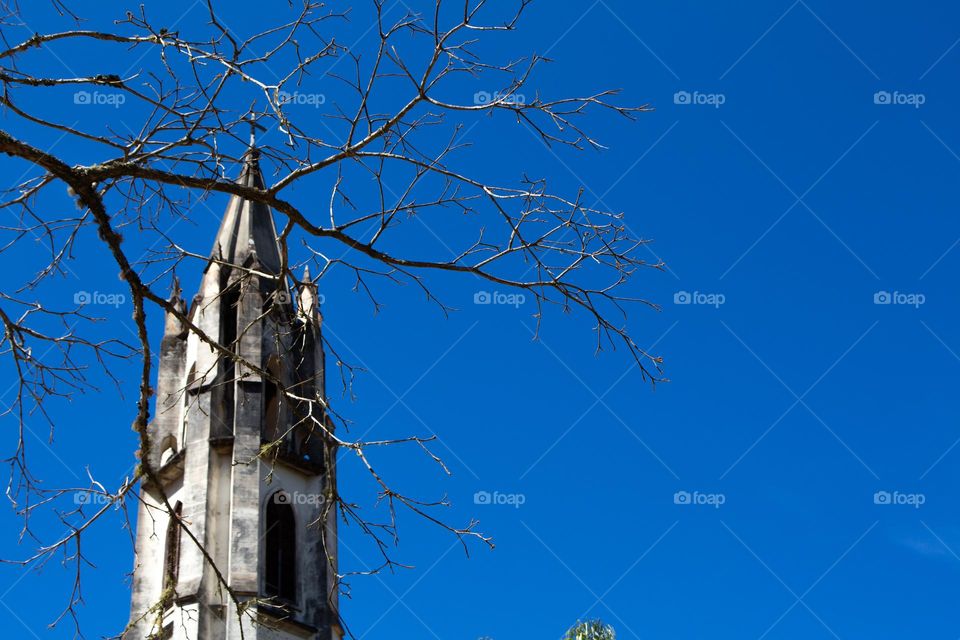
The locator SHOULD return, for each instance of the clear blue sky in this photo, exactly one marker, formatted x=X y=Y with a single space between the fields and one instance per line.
x=794 y=402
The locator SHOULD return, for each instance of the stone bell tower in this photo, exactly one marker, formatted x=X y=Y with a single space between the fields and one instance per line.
x=243 y=458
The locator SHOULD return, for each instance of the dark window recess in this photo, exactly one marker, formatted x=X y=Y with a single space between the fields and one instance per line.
x=171 y=558
x=230 y=301
x=280 y=549
x=271 y=410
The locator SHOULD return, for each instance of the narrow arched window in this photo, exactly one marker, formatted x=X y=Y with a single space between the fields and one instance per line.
x=171 y=558
x=280 y=548
x=272 y=403
x=271 y=410
x=191 y=380
x=168 y=449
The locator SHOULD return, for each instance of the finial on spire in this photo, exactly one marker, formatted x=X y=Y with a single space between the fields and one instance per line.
x=172 y=325
x=307 y=297
x=251 y=119
x=175 y=290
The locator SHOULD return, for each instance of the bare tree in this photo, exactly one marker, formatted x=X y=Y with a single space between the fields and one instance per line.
x=194 y=93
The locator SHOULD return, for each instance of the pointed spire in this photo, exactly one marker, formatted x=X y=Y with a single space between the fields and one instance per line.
x=175 y=289
x=307 y=300
x=172 y=325
x=247 y=228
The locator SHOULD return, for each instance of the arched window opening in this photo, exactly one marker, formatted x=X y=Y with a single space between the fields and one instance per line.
x=229 y=308
x=191 y=380
x=271 y=410
x=168 y=449
x=171 y=560
x=280 y=570
x=272 y=403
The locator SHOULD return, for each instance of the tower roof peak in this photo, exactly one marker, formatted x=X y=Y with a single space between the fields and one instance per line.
x=247 y=227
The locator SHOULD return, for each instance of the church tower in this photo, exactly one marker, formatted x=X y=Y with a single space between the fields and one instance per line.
x=242 y=455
